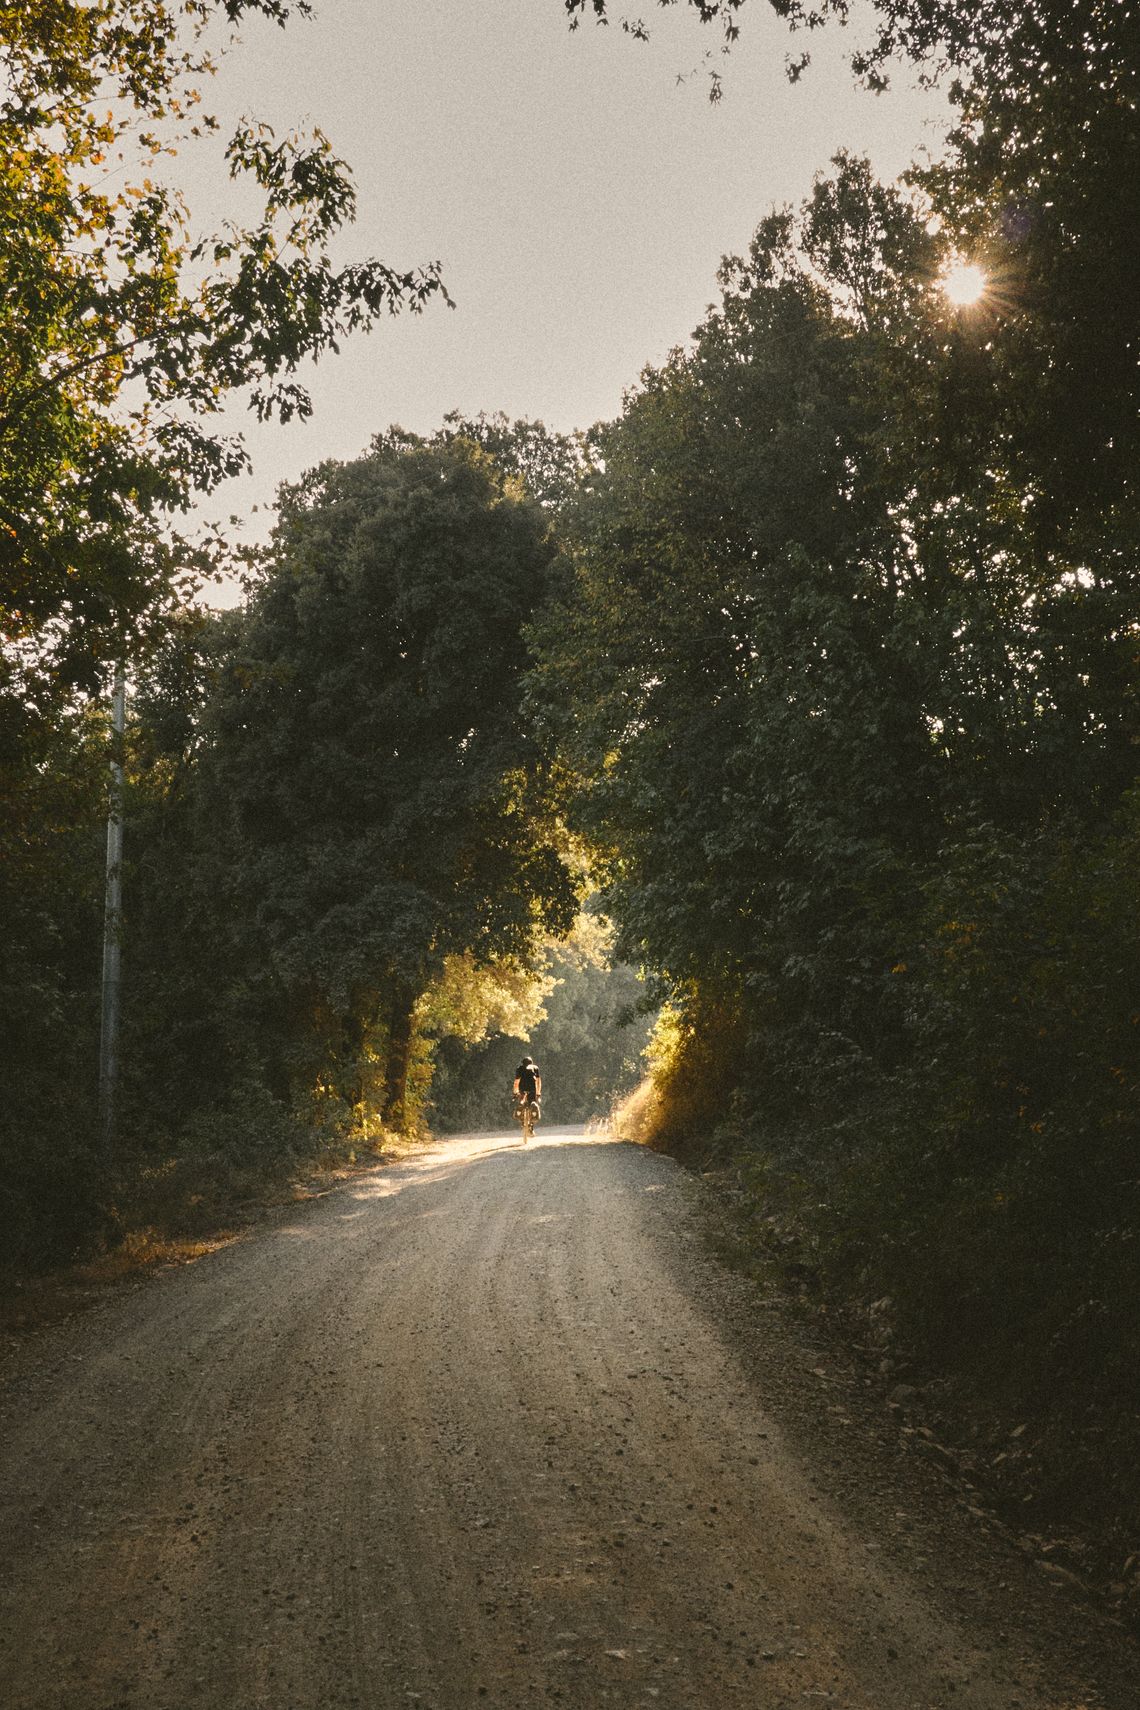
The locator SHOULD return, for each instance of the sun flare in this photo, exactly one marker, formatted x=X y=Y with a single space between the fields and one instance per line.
x=964 y=283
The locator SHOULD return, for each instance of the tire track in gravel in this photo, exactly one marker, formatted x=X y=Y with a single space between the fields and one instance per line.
x=468 y=1431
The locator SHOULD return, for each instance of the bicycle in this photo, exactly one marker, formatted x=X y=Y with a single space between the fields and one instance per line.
x=527 y=1112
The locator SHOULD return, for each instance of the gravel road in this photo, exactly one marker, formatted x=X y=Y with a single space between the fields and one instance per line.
x=490 y=1426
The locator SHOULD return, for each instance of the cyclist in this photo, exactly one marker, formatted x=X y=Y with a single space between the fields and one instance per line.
x=528 y=1092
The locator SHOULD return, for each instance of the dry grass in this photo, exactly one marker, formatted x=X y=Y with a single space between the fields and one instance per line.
x=637 y=1116
x=143 y=1249
x=32 y=1302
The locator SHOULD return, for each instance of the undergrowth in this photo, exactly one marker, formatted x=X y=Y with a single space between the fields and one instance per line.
x=170 y=1192
x=1000 y=1303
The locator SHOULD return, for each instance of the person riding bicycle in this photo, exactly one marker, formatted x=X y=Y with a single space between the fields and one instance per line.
x=528 y=1086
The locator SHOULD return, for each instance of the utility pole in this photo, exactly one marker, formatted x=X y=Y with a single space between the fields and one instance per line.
x=112 y=922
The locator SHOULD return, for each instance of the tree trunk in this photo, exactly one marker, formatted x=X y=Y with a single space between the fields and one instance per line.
x=352 y=1053
x=397 y=1061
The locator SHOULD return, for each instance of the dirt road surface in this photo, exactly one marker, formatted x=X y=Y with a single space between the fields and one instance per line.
x=490 y=1427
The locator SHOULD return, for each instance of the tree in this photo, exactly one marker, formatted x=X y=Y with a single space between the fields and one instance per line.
x=122 y=328
x=1040 y=183
x=737 y=581
x=813 y=632
x=380 y=804
x=852 y=701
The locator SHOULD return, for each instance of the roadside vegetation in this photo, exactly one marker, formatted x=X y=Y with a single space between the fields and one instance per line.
x=814 y=675
x=848 y=670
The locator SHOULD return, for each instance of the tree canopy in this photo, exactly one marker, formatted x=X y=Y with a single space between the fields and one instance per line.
x=846 y=668
x=124 y=325
x=377 y=801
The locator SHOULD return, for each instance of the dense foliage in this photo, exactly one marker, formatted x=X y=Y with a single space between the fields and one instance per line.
x=342 y=842
x=848 y=671
x=124 y=327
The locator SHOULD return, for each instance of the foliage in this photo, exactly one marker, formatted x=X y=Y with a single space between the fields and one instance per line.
x=341 y=843
x=123 y=328
x=1041 y=185
x=371 y=848
x=587 y=1038
x=852 y=711
x=51 y=896
x=470 y=999
x=688 y=1102
x=547 y=464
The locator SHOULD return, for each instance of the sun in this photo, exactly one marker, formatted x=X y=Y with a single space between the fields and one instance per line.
x=964 y=283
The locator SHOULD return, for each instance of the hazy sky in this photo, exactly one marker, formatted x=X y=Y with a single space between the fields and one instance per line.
x=578 y=196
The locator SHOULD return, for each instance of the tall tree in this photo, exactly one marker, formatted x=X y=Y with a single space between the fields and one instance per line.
x=737 y=584
x=1041 y=184
x=380 y=801
x=851 y=690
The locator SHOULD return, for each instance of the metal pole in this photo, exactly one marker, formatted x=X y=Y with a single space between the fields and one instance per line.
x=112 y=922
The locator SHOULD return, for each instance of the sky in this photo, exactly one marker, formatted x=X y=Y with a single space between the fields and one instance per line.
x=578 y=188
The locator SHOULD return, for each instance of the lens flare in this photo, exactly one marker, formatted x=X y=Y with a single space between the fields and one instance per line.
x=964 y=283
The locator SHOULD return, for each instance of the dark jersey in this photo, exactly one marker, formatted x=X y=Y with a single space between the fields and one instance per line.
x=525 y=1074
